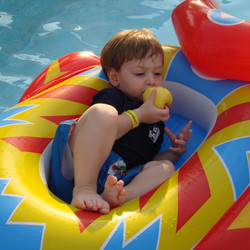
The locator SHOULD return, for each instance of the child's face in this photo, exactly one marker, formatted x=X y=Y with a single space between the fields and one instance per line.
x=136 y=75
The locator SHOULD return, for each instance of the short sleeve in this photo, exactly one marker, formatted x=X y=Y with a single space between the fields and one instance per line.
x=115 y=98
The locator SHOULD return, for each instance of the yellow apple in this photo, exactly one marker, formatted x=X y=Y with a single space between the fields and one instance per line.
x=163 y=97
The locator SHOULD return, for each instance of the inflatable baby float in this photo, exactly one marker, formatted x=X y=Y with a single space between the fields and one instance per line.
x=204 y=205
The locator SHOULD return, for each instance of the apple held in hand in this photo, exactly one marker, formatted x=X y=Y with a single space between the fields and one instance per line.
x=163 y=97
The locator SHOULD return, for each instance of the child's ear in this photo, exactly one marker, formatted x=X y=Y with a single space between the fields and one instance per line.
x=113 y=77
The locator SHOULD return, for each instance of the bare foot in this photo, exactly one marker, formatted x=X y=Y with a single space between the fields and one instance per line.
x=114 y=192
x=88 y=199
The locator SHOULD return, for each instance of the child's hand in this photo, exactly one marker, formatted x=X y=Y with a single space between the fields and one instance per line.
x=148 y=113
x=179 y=142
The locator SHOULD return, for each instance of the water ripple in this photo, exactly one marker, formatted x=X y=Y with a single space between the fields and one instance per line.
x=33 y=58
x=6 y=19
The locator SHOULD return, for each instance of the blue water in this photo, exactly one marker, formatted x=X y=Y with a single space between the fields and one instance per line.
x=34 y=33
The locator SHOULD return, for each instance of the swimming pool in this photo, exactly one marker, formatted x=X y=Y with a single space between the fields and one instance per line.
x=34 y=33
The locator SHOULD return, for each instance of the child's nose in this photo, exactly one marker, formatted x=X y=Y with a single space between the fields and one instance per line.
x=150 y=80
x=151 y=84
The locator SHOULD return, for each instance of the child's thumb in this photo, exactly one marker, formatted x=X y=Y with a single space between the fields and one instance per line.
x=152 y=95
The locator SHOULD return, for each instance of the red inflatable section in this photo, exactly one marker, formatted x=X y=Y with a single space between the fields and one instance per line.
x=215 y=43
x=60 y=70
x=232 y=230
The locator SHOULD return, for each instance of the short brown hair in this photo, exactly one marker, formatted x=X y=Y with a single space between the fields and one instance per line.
x=127 y=45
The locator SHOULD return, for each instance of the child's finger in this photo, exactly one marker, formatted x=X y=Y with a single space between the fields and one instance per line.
x=169 y=133
x=152 y=95
x=188 y=135
x=186 y=127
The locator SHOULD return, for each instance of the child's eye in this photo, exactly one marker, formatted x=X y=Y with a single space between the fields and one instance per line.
x=158 y=73
x=139 y=74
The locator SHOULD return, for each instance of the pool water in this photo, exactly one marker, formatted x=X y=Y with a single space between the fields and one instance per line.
x=34 y=33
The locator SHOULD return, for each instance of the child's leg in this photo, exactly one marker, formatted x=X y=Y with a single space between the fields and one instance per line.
x=91 y=142
x=152 y=174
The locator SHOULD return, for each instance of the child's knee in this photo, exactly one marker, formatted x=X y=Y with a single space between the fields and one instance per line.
x=167 y=167
x=104 y=114
x=100 y=116
x=163 y=168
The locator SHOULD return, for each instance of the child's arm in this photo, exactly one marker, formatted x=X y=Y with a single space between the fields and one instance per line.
x=146 y=113
x=179 y=143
